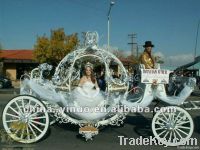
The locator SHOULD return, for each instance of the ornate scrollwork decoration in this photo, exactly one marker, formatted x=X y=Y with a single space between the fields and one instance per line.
x=91 y=39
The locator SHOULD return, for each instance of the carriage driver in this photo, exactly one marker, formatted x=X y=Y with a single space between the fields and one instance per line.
x=146 y=58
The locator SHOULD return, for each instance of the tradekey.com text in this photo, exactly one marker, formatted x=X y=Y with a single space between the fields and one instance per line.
x=102 y=109
x=123 y=141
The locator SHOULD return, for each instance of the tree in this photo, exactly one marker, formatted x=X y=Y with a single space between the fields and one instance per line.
x=133 y=59
x=159 y=60
x=118 y=53
x=0 y=51
x=1 y=61
x=55 y=48
x=0 y=47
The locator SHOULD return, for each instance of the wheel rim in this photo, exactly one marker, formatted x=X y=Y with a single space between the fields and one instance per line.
x=25 y=119
x=172 y=126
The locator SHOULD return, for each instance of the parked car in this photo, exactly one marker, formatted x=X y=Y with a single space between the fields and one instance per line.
x=5 y=82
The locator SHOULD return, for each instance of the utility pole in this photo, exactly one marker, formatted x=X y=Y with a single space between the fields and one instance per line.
x=195 y=49
x=84 y=38
x=111 y=4
x=133 y=44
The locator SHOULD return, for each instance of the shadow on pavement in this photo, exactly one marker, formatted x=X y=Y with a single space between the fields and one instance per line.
x=197 y=124
x=141 y=125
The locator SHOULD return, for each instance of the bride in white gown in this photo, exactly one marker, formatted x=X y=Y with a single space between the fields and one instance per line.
x=88 y=94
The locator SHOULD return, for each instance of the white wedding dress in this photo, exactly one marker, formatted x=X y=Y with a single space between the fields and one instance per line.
x=88 y=96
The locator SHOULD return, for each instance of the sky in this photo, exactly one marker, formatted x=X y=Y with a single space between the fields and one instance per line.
x=171 y=25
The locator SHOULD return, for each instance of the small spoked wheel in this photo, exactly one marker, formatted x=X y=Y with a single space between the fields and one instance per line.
x=172 y=126
x=25 y=119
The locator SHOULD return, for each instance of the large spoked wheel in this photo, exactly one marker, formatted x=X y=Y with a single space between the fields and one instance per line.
x=172 y=126
x=25 y=119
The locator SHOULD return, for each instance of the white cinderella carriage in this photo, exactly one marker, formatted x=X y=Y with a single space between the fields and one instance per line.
x=27 y=117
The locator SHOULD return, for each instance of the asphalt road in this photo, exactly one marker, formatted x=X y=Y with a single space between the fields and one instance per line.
x=65 y=136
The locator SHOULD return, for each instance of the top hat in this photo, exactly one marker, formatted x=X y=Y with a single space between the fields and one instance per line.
x=148 y=44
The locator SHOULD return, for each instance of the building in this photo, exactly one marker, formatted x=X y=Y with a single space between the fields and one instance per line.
x=15 y=62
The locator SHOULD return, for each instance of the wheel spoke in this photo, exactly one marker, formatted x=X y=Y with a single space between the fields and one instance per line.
x=29 y=106
x=162 y=132
x=159 y=128
x=178 y=133
x=29 y=103
x=8 y=114
x=179 y=120
x=42 y=117
x=18 y=107
x=23 y=106
x=11 y=120
x=36 y=104
x=182 y=127
x=161 y=120
x=34 y=109
x=175 y=138
x=182 y=131
x=32 y=130
x=39 y=123
x=22 y=135
x=158 y=123
x=31 y=115
x=170 y=136
x=164 y=116
x=27 y=132
x=36 y=127
x=16 y=131
x=165 y=135
x=170 y=117
x=14 y=110
x=184 y=122
x=177 y=116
